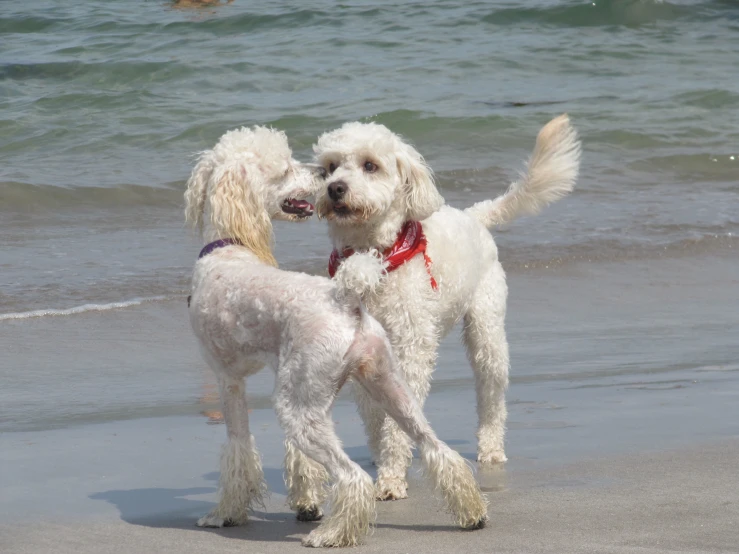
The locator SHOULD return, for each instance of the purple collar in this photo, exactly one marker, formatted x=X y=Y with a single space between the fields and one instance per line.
x=220 y=243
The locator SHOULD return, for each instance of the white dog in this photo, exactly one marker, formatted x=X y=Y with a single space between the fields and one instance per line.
x=378 y=190
x=247 y=313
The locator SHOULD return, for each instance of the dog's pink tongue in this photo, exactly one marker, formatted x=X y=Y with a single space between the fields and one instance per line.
x=301 y=204
x=302 y=208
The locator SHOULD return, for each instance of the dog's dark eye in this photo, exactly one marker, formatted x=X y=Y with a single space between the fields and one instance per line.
x=331 y=167
x=369 y=167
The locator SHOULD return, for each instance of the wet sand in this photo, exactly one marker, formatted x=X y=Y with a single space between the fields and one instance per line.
x=138 y=486
x=623 y=426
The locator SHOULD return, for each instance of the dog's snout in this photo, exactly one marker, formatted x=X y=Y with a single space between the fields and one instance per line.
x=316 y=169
x=337 y=190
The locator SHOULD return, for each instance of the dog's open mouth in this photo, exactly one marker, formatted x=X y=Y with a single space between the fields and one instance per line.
x=301 y=208
x=341 y=209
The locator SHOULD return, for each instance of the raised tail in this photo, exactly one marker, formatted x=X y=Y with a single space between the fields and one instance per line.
x=550 y=174
x=359 y=274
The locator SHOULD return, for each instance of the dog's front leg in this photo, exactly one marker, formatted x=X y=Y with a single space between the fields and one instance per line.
x=415 y=341
x=390 y=448
x=395 y=446
x=241 y=484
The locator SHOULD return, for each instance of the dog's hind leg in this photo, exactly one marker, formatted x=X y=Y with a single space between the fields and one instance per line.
x=241 y=484
x=487 y=350
x=373 y=418
x=352 y=500
x=446 y=468
x=305 y=480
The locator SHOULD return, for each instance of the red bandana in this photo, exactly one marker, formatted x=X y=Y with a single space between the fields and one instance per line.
x=410 y=241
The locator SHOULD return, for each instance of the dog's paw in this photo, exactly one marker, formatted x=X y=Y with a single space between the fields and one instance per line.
x=333 y=537
x=213 y=521
x=391 y=489
x=479 y=524
x=309 y=513
x=316 y=539
x=492 y=457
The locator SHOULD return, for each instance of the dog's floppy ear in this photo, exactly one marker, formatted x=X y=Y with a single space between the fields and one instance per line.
x=421 y=197
x=235 y=209
x=197 y=189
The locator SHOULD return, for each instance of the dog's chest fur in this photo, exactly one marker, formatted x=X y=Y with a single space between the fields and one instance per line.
x=461 y=250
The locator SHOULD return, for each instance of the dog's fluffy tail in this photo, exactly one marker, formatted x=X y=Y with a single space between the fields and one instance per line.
x=550 y=174
x=359 y=274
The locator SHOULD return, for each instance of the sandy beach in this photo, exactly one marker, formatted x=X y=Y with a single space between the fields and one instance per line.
x=622 y=429
x=150 y=487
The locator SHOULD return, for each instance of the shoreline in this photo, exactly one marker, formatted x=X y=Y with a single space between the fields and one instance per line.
x=615 y=329
x=143 y=490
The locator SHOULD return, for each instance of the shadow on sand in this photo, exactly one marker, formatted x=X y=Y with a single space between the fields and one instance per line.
x=173 y=508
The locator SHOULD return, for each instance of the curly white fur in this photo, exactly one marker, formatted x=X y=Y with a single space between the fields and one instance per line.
x=352 y=513
x=305 y=481
x=260 y=157
x=551 y=173
x=315 y=334
x=453 y=477
x=383 y=182
x=242 y=485
x=361 y=274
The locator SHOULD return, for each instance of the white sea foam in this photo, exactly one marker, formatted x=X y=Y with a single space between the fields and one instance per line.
x=81 y=309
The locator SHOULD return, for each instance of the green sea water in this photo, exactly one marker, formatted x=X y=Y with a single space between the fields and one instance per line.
x=103 y=104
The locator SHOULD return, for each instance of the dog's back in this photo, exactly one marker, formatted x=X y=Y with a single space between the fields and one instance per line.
x=246 y=313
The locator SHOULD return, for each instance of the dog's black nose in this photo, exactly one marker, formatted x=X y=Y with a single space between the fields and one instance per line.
x=337 y=190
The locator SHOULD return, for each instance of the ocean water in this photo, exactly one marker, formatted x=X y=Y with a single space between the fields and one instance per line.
x=103 y=105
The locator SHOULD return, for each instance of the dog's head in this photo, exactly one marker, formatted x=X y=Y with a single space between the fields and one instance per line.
x=249 y=178
x=372 y=174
